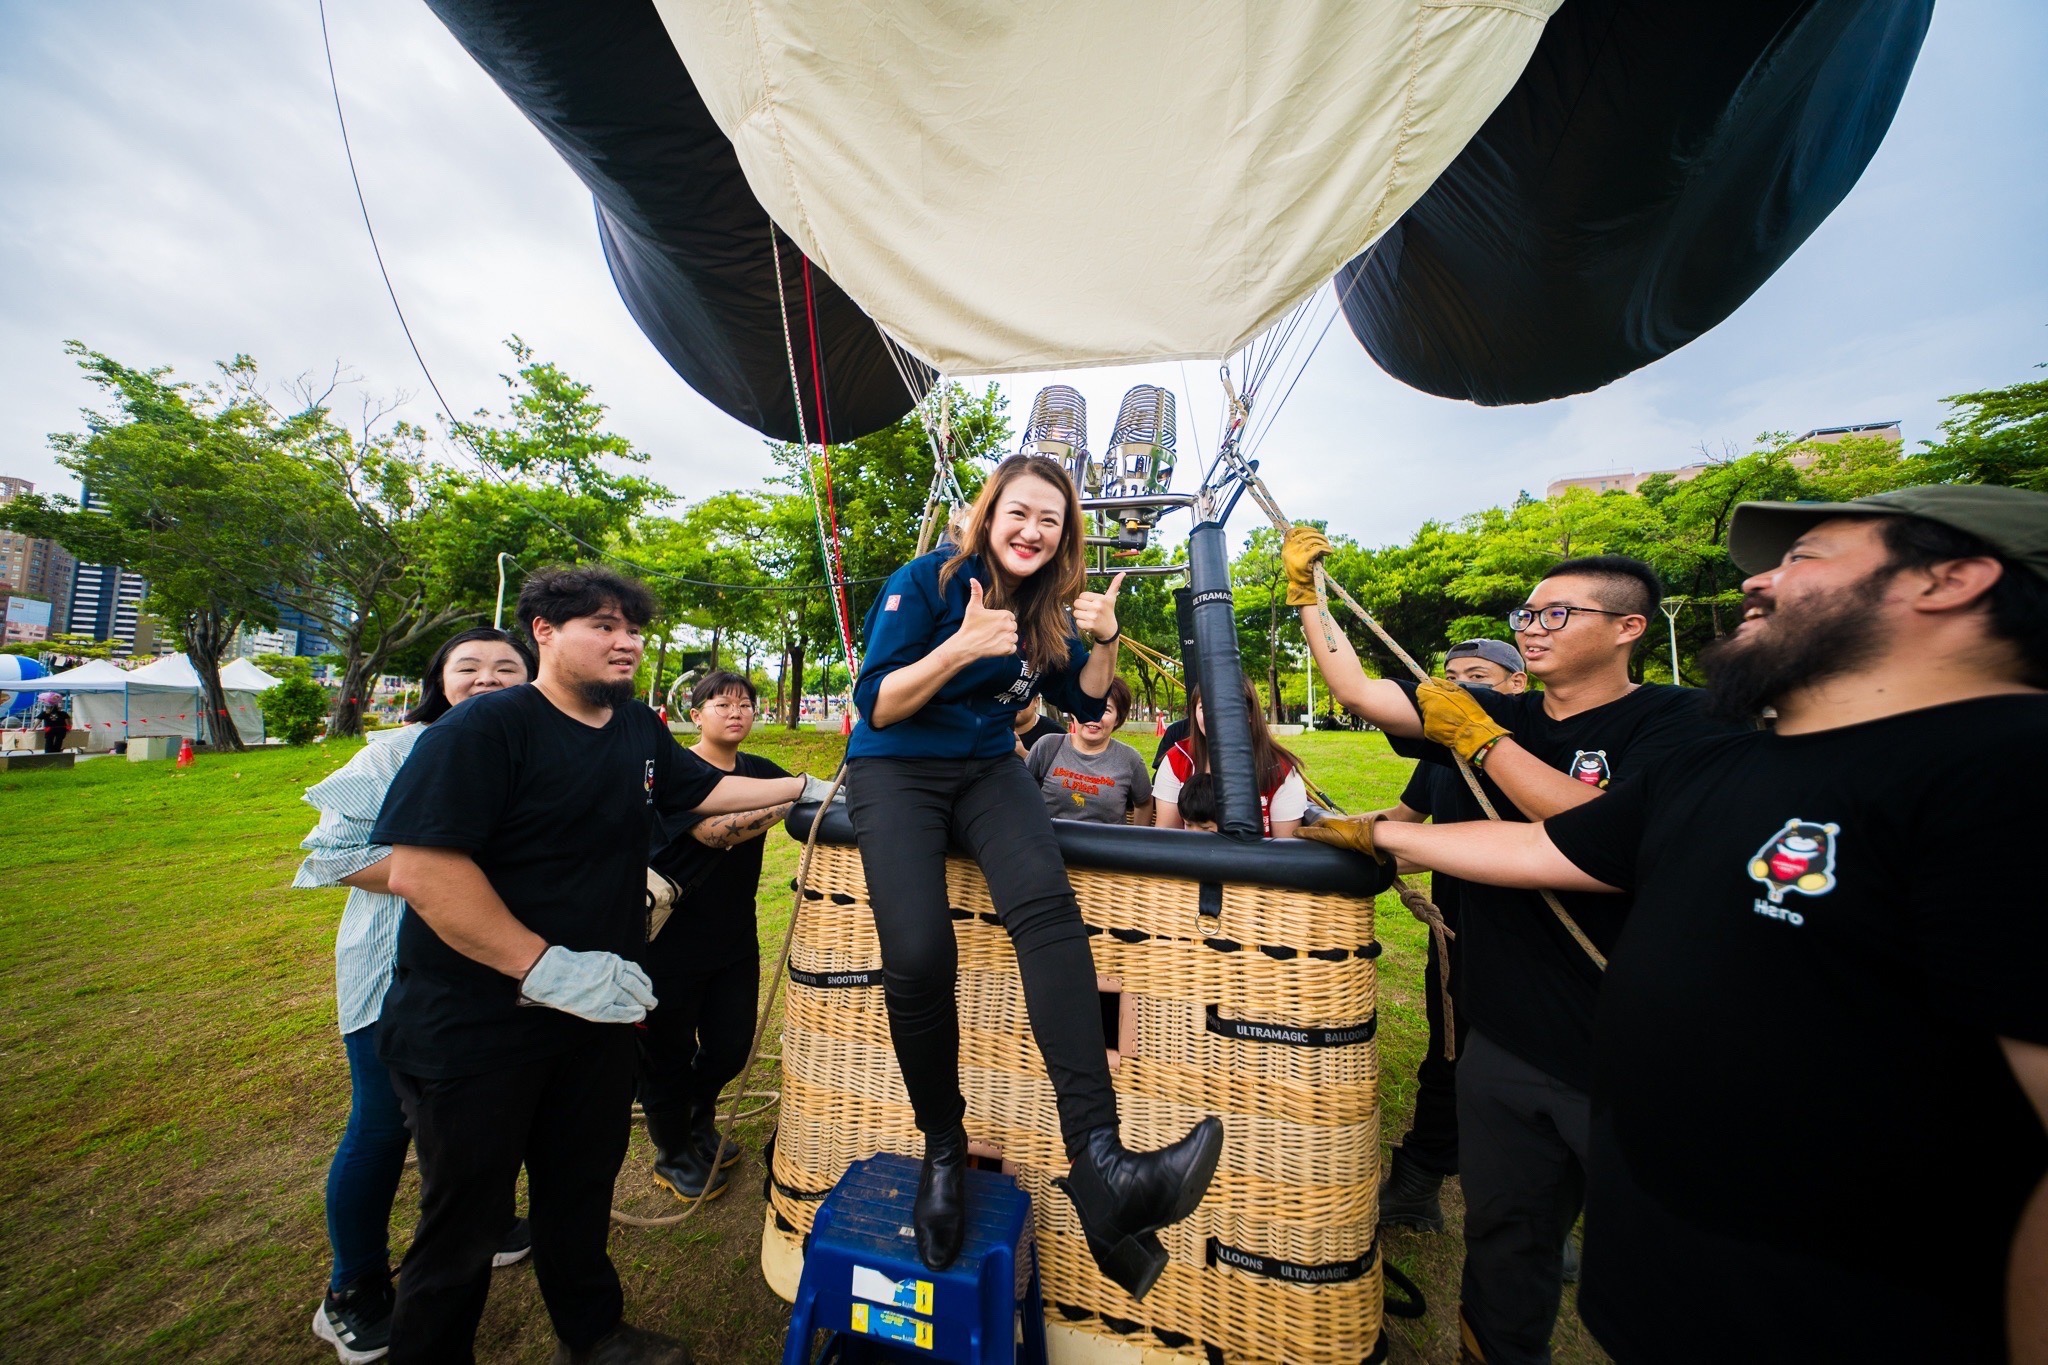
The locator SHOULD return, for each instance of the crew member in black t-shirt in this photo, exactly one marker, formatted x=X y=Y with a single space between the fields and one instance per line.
x=1529 y=988
x=519 y=830
x=1410 y=1194
x=706 y=962
x=1032 y=725
x=1828 y=1002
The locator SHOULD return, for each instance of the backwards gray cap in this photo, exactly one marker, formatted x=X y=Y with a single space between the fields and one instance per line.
x=2012 y=521
x=1493 y=651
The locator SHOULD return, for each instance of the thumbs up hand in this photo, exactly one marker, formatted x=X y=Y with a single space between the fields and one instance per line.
x=985 y=633
x=1095 y=612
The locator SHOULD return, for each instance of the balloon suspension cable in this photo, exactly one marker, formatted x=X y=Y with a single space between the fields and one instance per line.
x=835 y=559
x=770 y=1097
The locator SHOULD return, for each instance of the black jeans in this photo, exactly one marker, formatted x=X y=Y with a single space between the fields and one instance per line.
x=1524 y=1150
x=567 y=1118
x=904 y=812
x=1432 y=1139
x=696 y=1040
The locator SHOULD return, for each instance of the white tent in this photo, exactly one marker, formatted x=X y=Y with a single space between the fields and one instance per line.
x=96 y=694
x=164 y=699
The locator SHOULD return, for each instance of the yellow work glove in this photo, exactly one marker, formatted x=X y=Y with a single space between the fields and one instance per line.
x=1453 y=717
x=1301 y=552
x=1345 y=831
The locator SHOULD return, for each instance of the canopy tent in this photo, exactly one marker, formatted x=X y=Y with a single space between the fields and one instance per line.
x=95 y=675
x=162 y=698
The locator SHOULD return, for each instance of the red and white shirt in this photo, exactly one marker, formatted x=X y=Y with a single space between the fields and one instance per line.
x=1286 y=799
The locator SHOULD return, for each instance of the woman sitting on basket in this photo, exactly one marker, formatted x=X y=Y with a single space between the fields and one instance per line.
x=960 y=640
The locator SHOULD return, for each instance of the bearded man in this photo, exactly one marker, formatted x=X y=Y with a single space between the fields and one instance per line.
x=1829 y=998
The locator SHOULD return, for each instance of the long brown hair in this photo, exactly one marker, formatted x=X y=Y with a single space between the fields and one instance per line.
x=1040 y=601
x=1269 y=758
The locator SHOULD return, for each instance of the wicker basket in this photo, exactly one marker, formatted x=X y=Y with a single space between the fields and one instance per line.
x=1240 y=995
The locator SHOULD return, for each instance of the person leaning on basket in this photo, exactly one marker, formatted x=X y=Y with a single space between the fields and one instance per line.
x=1828 y=1002
x=958 y=642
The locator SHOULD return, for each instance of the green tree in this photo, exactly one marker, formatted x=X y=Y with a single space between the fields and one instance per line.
x=294 y=709
x=192 y=487
x=1995 y=436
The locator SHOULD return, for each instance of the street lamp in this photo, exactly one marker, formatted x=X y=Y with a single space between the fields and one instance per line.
x=498 y=616
x=1671 y=606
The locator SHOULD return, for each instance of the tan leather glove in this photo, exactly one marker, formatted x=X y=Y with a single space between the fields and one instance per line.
x=1345 y=831
x=1453 y=717
x=1300 y=552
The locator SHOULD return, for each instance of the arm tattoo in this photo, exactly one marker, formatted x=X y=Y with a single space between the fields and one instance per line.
x=724 y=831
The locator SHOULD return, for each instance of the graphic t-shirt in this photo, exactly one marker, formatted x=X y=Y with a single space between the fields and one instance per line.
x=1528 y=985
x=974 y=714
x=1799 y=1031
x=1097 y=787
x=712 y=926
x=1285 y=799
x=557 y=815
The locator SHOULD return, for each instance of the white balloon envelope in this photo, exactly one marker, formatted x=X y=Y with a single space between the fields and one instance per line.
x=1011 y=187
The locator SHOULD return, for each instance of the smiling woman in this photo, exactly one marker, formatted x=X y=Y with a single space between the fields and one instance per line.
x=959 y=642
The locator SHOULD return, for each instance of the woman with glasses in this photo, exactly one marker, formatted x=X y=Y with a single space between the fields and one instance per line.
x=705 y=961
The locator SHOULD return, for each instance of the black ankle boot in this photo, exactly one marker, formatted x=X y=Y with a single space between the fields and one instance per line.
x=1124 y=1198
x=704 y=1137
x=679 y=1167
x=1408 y=1196
x=941 y=1212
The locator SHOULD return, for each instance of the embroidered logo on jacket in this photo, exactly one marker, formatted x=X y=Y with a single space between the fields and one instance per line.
x=1799 y=857
x=895 y=601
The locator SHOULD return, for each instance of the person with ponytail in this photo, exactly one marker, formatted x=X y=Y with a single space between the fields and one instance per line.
x=958 y=642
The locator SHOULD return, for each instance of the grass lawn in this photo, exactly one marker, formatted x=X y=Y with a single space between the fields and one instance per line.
x=172 y=1086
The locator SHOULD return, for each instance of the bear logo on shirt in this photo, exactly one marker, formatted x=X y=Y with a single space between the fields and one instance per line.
x=647 y=781
x=1799 y=857
x=1590 y=767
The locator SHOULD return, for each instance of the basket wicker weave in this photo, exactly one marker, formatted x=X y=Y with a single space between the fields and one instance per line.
x=1253 y=1002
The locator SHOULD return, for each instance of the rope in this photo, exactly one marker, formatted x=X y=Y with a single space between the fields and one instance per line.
x=733 y=1115
x=835 y=568
x=1324 y=588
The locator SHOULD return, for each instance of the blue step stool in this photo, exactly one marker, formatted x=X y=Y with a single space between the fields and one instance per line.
x=863 y=1280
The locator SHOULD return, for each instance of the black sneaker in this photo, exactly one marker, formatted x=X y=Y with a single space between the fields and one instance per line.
x=357 y=1321
x=515 y=1246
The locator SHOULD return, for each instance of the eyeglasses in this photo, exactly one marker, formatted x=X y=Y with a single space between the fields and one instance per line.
x=721 y=704
x=1554 y=618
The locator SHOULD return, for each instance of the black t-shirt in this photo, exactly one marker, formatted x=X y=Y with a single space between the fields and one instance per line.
x=1528 y=985
x=1798 y=1038
x=1040 y=728
x=712 y=926
x=557 y=815
x=1433 y=790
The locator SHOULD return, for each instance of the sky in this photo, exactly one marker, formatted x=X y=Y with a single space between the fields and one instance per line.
x=173 y=192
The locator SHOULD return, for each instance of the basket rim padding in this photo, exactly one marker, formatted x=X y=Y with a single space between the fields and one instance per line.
x=1183 y=854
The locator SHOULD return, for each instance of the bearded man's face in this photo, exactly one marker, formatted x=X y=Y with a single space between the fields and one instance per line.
x=1819 y=614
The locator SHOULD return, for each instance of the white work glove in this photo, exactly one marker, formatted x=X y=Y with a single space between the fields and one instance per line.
x=601 y=987
x=818 y=788
x=661 y=900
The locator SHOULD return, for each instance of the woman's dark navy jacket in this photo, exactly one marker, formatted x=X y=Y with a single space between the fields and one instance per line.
x=974 y=714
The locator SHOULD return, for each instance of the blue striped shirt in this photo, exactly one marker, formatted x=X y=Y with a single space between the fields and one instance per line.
x=348 y=799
